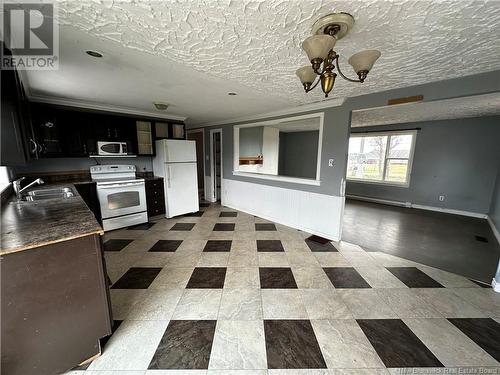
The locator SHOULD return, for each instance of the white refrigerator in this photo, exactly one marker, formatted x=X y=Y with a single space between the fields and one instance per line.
x=175 y=161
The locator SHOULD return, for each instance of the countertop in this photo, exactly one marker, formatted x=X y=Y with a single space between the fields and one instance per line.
x=28 y=225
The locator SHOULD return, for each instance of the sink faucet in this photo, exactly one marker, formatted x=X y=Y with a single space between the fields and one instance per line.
x=16 y=184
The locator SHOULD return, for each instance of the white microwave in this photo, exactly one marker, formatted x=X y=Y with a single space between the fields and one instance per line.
x=106 y=148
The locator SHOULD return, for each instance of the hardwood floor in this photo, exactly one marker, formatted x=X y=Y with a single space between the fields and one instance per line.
x=435 y=239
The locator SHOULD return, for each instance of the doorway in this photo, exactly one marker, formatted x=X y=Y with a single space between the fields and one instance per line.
x=216 y=164
x=199 y=137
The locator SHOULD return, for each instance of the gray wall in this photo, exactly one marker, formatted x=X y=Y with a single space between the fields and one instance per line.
x=251 y=140
x=336 y=127
x=142 y=163
x=298 y=154
x=335 y=143
x=494 y=212
x=454 y=158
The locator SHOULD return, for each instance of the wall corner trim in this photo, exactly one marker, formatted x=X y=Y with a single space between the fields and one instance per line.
x=497 y=235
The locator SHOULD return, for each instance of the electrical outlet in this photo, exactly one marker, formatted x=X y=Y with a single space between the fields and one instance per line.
x=330 y=162
x=441 y=198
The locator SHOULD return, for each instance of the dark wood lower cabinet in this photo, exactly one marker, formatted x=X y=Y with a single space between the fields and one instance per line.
x=55 y=306
x=155 y=196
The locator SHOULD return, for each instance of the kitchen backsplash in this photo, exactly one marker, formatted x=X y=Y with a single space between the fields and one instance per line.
x=142 y=163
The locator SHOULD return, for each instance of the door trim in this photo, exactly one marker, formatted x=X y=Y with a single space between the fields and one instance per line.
x=202 y=131
x=212 y=176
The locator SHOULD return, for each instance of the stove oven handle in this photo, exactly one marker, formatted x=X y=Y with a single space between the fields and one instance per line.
x=125 y=184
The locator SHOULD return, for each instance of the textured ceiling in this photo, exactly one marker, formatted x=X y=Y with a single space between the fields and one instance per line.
x=256 y=44
x=471 y=106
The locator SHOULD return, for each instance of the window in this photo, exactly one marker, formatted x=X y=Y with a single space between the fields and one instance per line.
x=381 y=157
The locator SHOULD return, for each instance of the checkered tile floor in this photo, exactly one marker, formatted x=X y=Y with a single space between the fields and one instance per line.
x=224 y=292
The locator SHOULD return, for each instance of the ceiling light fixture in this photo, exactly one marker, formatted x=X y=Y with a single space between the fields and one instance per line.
x=160 y=106
x=319 y=49
x=94 y=53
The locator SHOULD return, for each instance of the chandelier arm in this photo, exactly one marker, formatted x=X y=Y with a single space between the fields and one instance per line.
x=313 y=86
x=342 y=74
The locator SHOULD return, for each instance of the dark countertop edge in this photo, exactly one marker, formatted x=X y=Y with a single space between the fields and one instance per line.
x=40 y=244
x=35 y=245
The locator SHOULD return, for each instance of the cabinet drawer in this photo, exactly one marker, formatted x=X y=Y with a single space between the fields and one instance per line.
x=154 y=192
x=156 y=211
x=156 y=208
x=156 y=184
x=155 y=202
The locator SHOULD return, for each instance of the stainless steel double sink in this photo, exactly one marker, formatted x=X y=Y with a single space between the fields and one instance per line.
x=42 y=194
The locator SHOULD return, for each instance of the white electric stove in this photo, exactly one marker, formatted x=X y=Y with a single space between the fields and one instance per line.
x=122 y=196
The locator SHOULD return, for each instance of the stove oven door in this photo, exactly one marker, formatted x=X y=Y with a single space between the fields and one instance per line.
x=121 y=198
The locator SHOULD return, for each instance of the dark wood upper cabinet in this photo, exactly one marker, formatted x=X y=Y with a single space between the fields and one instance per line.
x=74 y=132
x=17 y=145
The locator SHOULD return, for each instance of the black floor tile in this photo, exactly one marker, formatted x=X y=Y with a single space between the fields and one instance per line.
x=269 y=246
x=137 y=278
x=318 y=247
x=166 y=246
x=291 y=344
x=207 y=278
x=396 y=344
x=228 y=214
x=204 y=204
x=485 y=332
x=186 y=344
x=345 y=277
x=217 y=245
x=412 y=277
x=277 y=278
x=265 y=227
x=195 y=214
x=143 y=226
x=183 y=226
x=116 y=245
x=224 y=227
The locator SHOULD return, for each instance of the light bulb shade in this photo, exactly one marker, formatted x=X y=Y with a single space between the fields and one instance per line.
x=306 y=74
x=318 y=46
x=364 y=60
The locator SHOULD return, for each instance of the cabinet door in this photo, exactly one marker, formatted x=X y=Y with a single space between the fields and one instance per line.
x=46 y=124
x=144 y=138
x=12 y=151
x=74 y=133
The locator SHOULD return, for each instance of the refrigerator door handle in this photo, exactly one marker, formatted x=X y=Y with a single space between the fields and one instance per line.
x=169 y=172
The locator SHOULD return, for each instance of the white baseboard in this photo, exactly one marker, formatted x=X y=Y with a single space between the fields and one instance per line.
x=450 y=211
x=495 y=285
x=494 y=230
x=377 y=200
x=419 y=206
x=313 y=213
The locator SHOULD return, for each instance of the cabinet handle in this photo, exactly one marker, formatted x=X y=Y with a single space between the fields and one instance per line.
x=34 y=148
